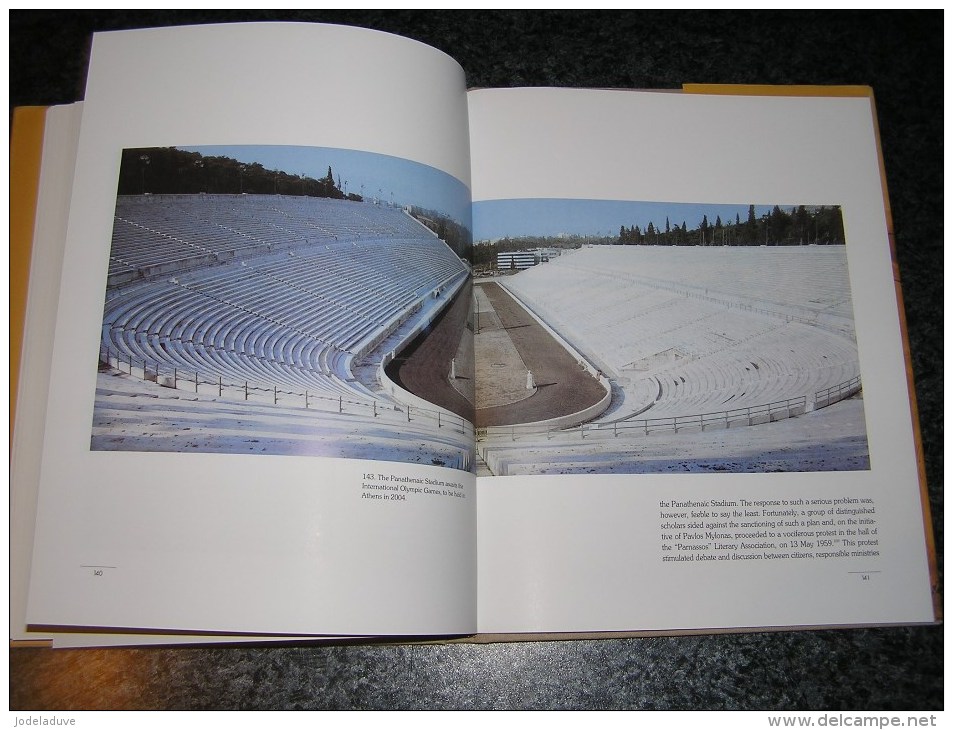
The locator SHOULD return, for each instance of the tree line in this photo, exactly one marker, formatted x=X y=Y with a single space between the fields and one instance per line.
x=454 y=234
x=800 y=226
x=168 y=171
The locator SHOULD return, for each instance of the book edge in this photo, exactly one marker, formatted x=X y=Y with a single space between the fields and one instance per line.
x=26 y=150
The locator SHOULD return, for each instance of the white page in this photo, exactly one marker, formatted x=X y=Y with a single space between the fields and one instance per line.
x=582 y=553
x=226 y=542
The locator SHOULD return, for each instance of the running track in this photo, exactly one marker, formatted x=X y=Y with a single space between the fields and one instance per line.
x=563 y=387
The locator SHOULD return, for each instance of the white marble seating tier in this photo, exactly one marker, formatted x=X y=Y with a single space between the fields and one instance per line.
x=289 y=310
x=699 y=330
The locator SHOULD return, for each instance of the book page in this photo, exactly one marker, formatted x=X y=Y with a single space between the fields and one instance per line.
x=695 y=414
x=263 y=218
x=60 y=132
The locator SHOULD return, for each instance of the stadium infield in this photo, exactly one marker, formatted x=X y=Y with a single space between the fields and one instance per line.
x=562 y=386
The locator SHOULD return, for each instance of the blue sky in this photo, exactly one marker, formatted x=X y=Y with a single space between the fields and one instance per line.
x=411 y=183
x=391 y=178
x=494 y=219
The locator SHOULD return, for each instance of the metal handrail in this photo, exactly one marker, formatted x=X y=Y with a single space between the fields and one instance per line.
x=192 y=379
x=775 y=410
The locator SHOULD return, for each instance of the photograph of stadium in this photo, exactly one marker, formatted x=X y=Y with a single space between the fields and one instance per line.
x=289 y=301
x=627 y=337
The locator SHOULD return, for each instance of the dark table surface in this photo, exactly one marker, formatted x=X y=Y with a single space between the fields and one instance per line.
x=899 y=54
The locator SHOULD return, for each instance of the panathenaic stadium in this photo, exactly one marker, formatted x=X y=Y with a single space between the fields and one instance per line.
x=629 y=359
x=284 y=325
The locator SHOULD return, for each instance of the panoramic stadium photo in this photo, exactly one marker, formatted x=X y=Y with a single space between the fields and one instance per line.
x=627 y=337
x=289 y=301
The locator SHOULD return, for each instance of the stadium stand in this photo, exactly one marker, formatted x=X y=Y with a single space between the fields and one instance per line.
x=266 y=294
x=696 y=338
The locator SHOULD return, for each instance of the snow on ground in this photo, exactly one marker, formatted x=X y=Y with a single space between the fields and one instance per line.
x=132 y=415
x=831 y=439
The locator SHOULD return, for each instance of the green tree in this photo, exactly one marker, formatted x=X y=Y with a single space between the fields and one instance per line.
x=751 y=228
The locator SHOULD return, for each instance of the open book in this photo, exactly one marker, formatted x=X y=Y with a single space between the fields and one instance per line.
x=320 y=353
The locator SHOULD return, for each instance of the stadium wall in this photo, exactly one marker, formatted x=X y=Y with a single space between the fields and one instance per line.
x=389 y=386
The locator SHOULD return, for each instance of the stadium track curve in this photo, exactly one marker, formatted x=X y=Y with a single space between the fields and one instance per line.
x=423 y=367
